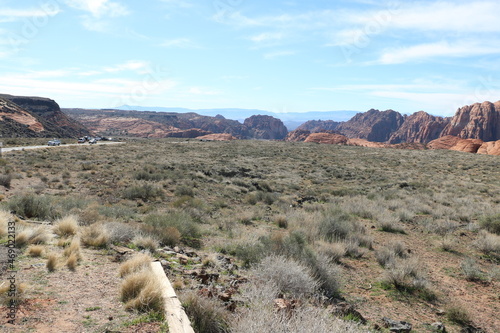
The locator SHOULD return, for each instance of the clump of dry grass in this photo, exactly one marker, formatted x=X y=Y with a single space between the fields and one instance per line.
x=5 y=217
x=74 y=249
x=95 y=235
x=206 y=314
x=488 y=243
x=51 y=262
x=135 y=264
x=72 y=261
x=333 y=251
x=13 y=293
x=141 y=289
x=67 y=226
x=27 y=236
x=35 y=250
x=146 y=242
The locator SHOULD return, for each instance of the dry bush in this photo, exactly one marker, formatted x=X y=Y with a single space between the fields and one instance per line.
x=28 y=235
x=458 y=315
x=51 y=262
x=6 y=293
x=141 y=291
x=389 y=222
x=289 y=276
x=387 y=255
x=35 y=250
x=72 y=261
x=74 y=249
x=206 y=315
x=260 y=316
x=488 y=243
x=281 y=221
x=146 y=242
x=353 y=249
x=491 y=223
x=333 y=251
x=471 y=270
x=135 y=264
x=447 y=243
x=120 y=232
x=5 y=217
x=66 y=226
x=408 y=275
x=95 y=235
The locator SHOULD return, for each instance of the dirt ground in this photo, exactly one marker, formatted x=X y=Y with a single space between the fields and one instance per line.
x=85 y=300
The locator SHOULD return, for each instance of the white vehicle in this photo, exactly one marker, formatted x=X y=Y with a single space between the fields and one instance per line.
x=54 y=142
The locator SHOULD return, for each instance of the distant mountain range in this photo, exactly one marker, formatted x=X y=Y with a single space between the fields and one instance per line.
x=292 y=120
x=473 y=128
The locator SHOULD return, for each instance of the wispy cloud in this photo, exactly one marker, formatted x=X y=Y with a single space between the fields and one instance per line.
x=267 y=37
x=98 y=12
x=140 y=67
x=277 y=54
x=182 y=43
x=11 y=15
x=428 y=51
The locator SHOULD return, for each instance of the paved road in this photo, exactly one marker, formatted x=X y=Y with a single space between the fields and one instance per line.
x=5 y=150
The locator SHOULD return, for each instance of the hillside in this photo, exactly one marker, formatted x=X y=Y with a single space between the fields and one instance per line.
x=167 y=124
x=36 y=117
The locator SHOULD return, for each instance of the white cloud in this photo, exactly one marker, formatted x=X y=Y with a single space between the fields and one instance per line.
x=266 y=37
x=99 y=8
x=98 y=12
x=277 y=54
x=140 y=67
x=184 y=43
x=420 y=52
x=10 y=15
x=178 y=3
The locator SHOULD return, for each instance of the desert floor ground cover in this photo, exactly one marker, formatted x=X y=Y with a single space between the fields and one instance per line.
x=408 y=235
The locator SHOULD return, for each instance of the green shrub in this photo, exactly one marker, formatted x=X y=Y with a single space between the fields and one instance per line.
x=5 y=180
x=33 y=206
x=491 y=223
x=335 y=225
x=167 y=224
x=145 y=192
x=205 y=314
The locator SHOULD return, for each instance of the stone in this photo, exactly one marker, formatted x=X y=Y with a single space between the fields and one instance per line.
x=419 y=127
x=373 y=125
x=438 y=327
x=397 y=326
x=328 y=138
x=265 y=127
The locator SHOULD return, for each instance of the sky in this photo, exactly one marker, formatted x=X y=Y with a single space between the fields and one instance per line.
x=279 y=56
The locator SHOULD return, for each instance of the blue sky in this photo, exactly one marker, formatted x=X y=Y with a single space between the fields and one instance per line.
x=280 y=56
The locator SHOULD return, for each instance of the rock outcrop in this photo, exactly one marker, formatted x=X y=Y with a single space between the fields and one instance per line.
x=187 y=134
x=315 y=126
x=217 y=137
x=297 y=135
x=48 y=113
x=373 y=125
x=455 y=143
x=266 y=127
x=490 y=148
x=476 y=121
x=328 y=138
x=14 y=121
x=420 y=127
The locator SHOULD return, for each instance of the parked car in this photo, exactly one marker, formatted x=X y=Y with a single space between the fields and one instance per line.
x=92 y=141
x=54 y=142
x=81 y=140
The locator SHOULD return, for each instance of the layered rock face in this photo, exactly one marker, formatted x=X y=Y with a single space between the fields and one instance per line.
x=54 y=121
x=373 y=125
x=476 y=121
x=329 y=138
x=490 y=148
x=455 y=143
x=420 y=127
x=315 y=126
x=297 y=135
x=217 y=137
x=266 y=127
x=14 y=121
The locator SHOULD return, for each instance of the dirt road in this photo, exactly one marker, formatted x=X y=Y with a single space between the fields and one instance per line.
x=6 y=150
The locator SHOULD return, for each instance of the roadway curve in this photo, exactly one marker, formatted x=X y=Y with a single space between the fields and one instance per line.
x=6 y=150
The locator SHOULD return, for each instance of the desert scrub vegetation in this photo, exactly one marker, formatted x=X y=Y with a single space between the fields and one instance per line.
x=205 y=314
x=337 y=212
x=33 y=206
x=95 y=235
